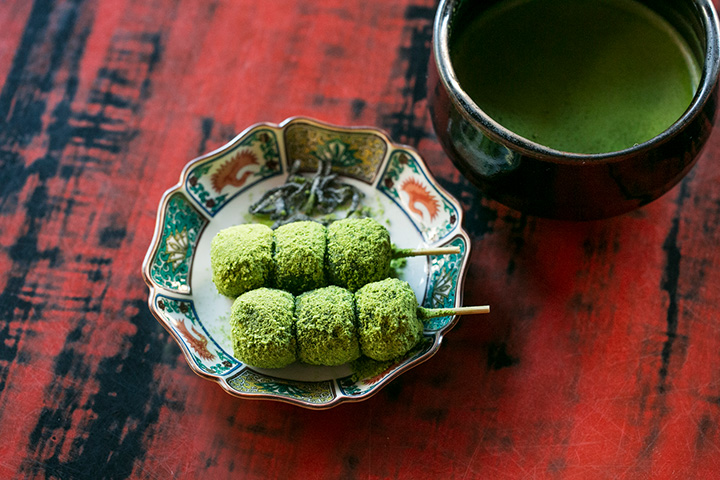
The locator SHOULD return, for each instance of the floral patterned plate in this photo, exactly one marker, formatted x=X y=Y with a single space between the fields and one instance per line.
x=215 y=192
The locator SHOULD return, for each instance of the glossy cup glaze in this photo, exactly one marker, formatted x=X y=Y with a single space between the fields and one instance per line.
x=550 y=183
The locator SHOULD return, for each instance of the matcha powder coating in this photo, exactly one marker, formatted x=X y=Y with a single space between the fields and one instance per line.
x=263 y=328
x=387 y=319
x=325 y=327
x=359 y=251
x=241 y=258
x=300 y=256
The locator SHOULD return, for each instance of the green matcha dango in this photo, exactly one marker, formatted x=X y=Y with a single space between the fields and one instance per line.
x=325 y=326
x=389 y=320
x=388 y=325
x=359 y=251
x=241 y=258
x=304 y=255
x=263 y=328
x=330 y=325
x=300 y=256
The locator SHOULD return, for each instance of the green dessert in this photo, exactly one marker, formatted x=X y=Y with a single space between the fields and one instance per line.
x=359 y=251
x=241 y=258
x=387 y=320
x=300 y=256
x=325 y=327
x=263 y=328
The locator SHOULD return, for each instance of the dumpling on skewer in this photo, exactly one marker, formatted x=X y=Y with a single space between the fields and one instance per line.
x=305 y=255
x=325 y=326
x=330 y=325
x=388 y=325
x=263 y=328
x=300 y=256
x=359 y=251
x=241 y=258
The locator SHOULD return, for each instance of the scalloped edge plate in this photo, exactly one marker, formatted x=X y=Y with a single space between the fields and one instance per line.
x=215 y=191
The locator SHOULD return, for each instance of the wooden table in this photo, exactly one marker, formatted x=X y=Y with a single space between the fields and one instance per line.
x=600 y=359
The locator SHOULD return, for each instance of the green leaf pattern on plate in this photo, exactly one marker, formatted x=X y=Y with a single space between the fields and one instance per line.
x=353 y=153
x=181 y=228
x=441 y=290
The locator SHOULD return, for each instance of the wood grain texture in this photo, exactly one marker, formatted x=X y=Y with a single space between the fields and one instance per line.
x=600 y=359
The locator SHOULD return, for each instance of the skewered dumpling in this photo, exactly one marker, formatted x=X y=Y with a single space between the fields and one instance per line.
x=241 y=258
x=387 y=319
x=305 y=255
x=263 y=328
x=359 y=251
x=326 y=333
x=300 y=256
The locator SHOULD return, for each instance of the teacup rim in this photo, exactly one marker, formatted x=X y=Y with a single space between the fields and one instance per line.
x=496 y=132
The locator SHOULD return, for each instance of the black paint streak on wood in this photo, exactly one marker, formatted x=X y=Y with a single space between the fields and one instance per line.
x=50 y=431
x=518 y=230
x=206 y=128
x=118 y=92
x=499 y=358
x=357 y=106
x=214 y=135
x=20 y=110
x=112 y=236
x=669 y=284
x=706 y=431
x=19 y=115
x=403 y=125
x=126 y=405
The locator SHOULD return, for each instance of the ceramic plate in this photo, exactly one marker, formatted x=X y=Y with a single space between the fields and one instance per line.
x=215 y=192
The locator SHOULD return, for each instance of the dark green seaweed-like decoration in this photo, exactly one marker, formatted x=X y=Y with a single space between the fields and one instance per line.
x=299 y=198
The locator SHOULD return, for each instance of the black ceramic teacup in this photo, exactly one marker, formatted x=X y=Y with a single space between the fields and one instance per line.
x=537 y=179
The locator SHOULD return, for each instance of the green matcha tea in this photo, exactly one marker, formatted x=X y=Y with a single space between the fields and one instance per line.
x=582 y=76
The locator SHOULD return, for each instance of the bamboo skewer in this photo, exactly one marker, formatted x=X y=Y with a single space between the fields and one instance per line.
x=427 y=313
x=417 y=252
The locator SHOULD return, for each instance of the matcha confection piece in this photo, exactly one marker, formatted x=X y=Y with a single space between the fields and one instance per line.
x=387 y=320
x=325 y=327
x=241 y=258
x=263 y=328
x=300 y=256
x=359 y=251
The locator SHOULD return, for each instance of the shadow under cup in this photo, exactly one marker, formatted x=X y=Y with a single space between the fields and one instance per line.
x=539 y=180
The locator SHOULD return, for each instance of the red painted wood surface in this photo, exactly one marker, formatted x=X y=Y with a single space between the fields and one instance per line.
x=600 y=359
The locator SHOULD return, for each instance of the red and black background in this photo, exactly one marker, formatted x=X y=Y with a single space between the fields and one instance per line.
x=600 y=359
